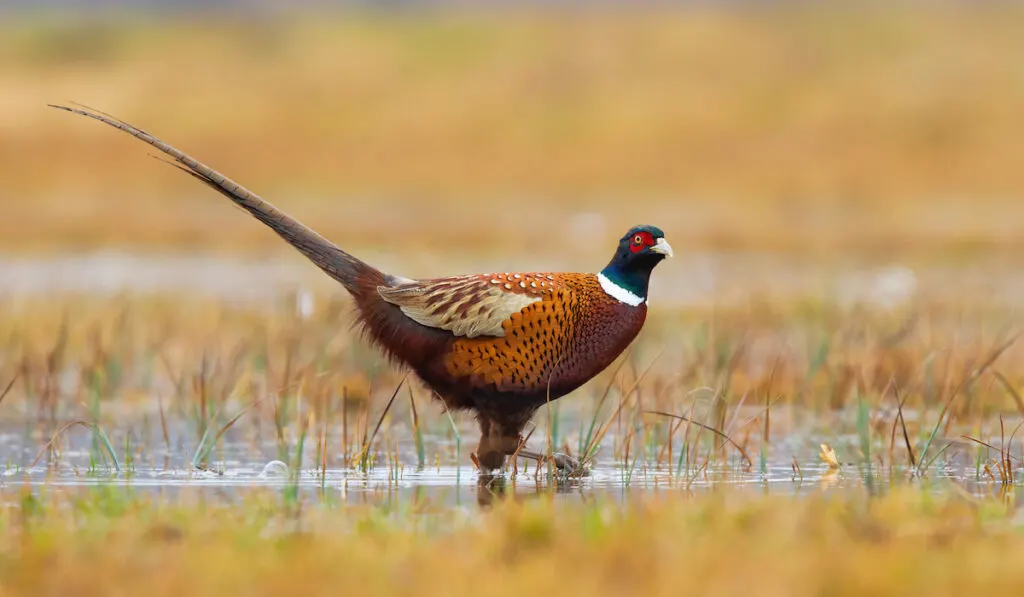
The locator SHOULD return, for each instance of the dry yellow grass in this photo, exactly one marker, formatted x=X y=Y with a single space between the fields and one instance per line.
x=907 y=543
x=871 y=127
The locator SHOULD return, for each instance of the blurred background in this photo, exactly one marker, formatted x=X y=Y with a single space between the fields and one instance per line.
x=433 y=138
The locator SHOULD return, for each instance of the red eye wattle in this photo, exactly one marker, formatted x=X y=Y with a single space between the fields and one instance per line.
x=641 y=241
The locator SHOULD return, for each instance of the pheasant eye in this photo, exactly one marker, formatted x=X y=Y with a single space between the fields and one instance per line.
x=637 y=240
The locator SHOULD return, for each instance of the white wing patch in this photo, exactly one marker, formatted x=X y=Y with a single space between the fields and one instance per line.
x=467 y=306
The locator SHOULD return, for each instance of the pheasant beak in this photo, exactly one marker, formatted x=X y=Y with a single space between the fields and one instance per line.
x=662 y=246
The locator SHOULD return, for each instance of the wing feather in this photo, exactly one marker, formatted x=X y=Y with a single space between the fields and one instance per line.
x=468 y=306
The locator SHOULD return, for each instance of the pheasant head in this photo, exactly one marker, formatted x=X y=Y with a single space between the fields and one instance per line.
x=626 y=276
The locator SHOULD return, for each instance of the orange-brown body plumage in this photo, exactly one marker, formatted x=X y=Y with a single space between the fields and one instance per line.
x=549 y=347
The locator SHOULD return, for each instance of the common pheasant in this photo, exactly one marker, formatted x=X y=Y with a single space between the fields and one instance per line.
x=499 y=345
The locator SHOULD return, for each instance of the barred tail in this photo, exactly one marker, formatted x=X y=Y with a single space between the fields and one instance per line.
x=355 y=275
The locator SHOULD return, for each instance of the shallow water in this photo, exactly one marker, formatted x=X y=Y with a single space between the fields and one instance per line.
x=447 y=480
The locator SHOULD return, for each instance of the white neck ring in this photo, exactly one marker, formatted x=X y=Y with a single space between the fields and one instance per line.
x=619 y=293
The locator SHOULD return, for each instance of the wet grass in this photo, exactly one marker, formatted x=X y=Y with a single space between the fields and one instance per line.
x=700 y=393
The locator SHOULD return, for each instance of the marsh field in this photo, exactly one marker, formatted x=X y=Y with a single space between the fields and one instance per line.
x=826 y=398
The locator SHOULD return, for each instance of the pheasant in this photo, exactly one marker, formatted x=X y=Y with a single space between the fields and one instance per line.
x=498 y=345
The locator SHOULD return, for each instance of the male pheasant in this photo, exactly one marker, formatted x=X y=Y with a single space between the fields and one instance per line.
x=499 y=345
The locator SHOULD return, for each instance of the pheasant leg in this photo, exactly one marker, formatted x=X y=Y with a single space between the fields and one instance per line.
x=489 y=455
x=497 y=443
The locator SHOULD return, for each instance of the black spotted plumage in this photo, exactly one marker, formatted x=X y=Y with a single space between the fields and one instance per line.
x=499 y=345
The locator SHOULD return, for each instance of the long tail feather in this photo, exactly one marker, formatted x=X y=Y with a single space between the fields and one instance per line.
x=354 y=274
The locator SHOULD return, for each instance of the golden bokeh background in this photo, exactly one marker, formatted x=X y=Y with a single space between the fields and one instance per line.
x=841 y=128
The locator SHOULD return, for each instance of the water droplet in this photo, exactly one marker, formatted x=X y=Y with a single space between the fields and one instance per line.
x=274 y=468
